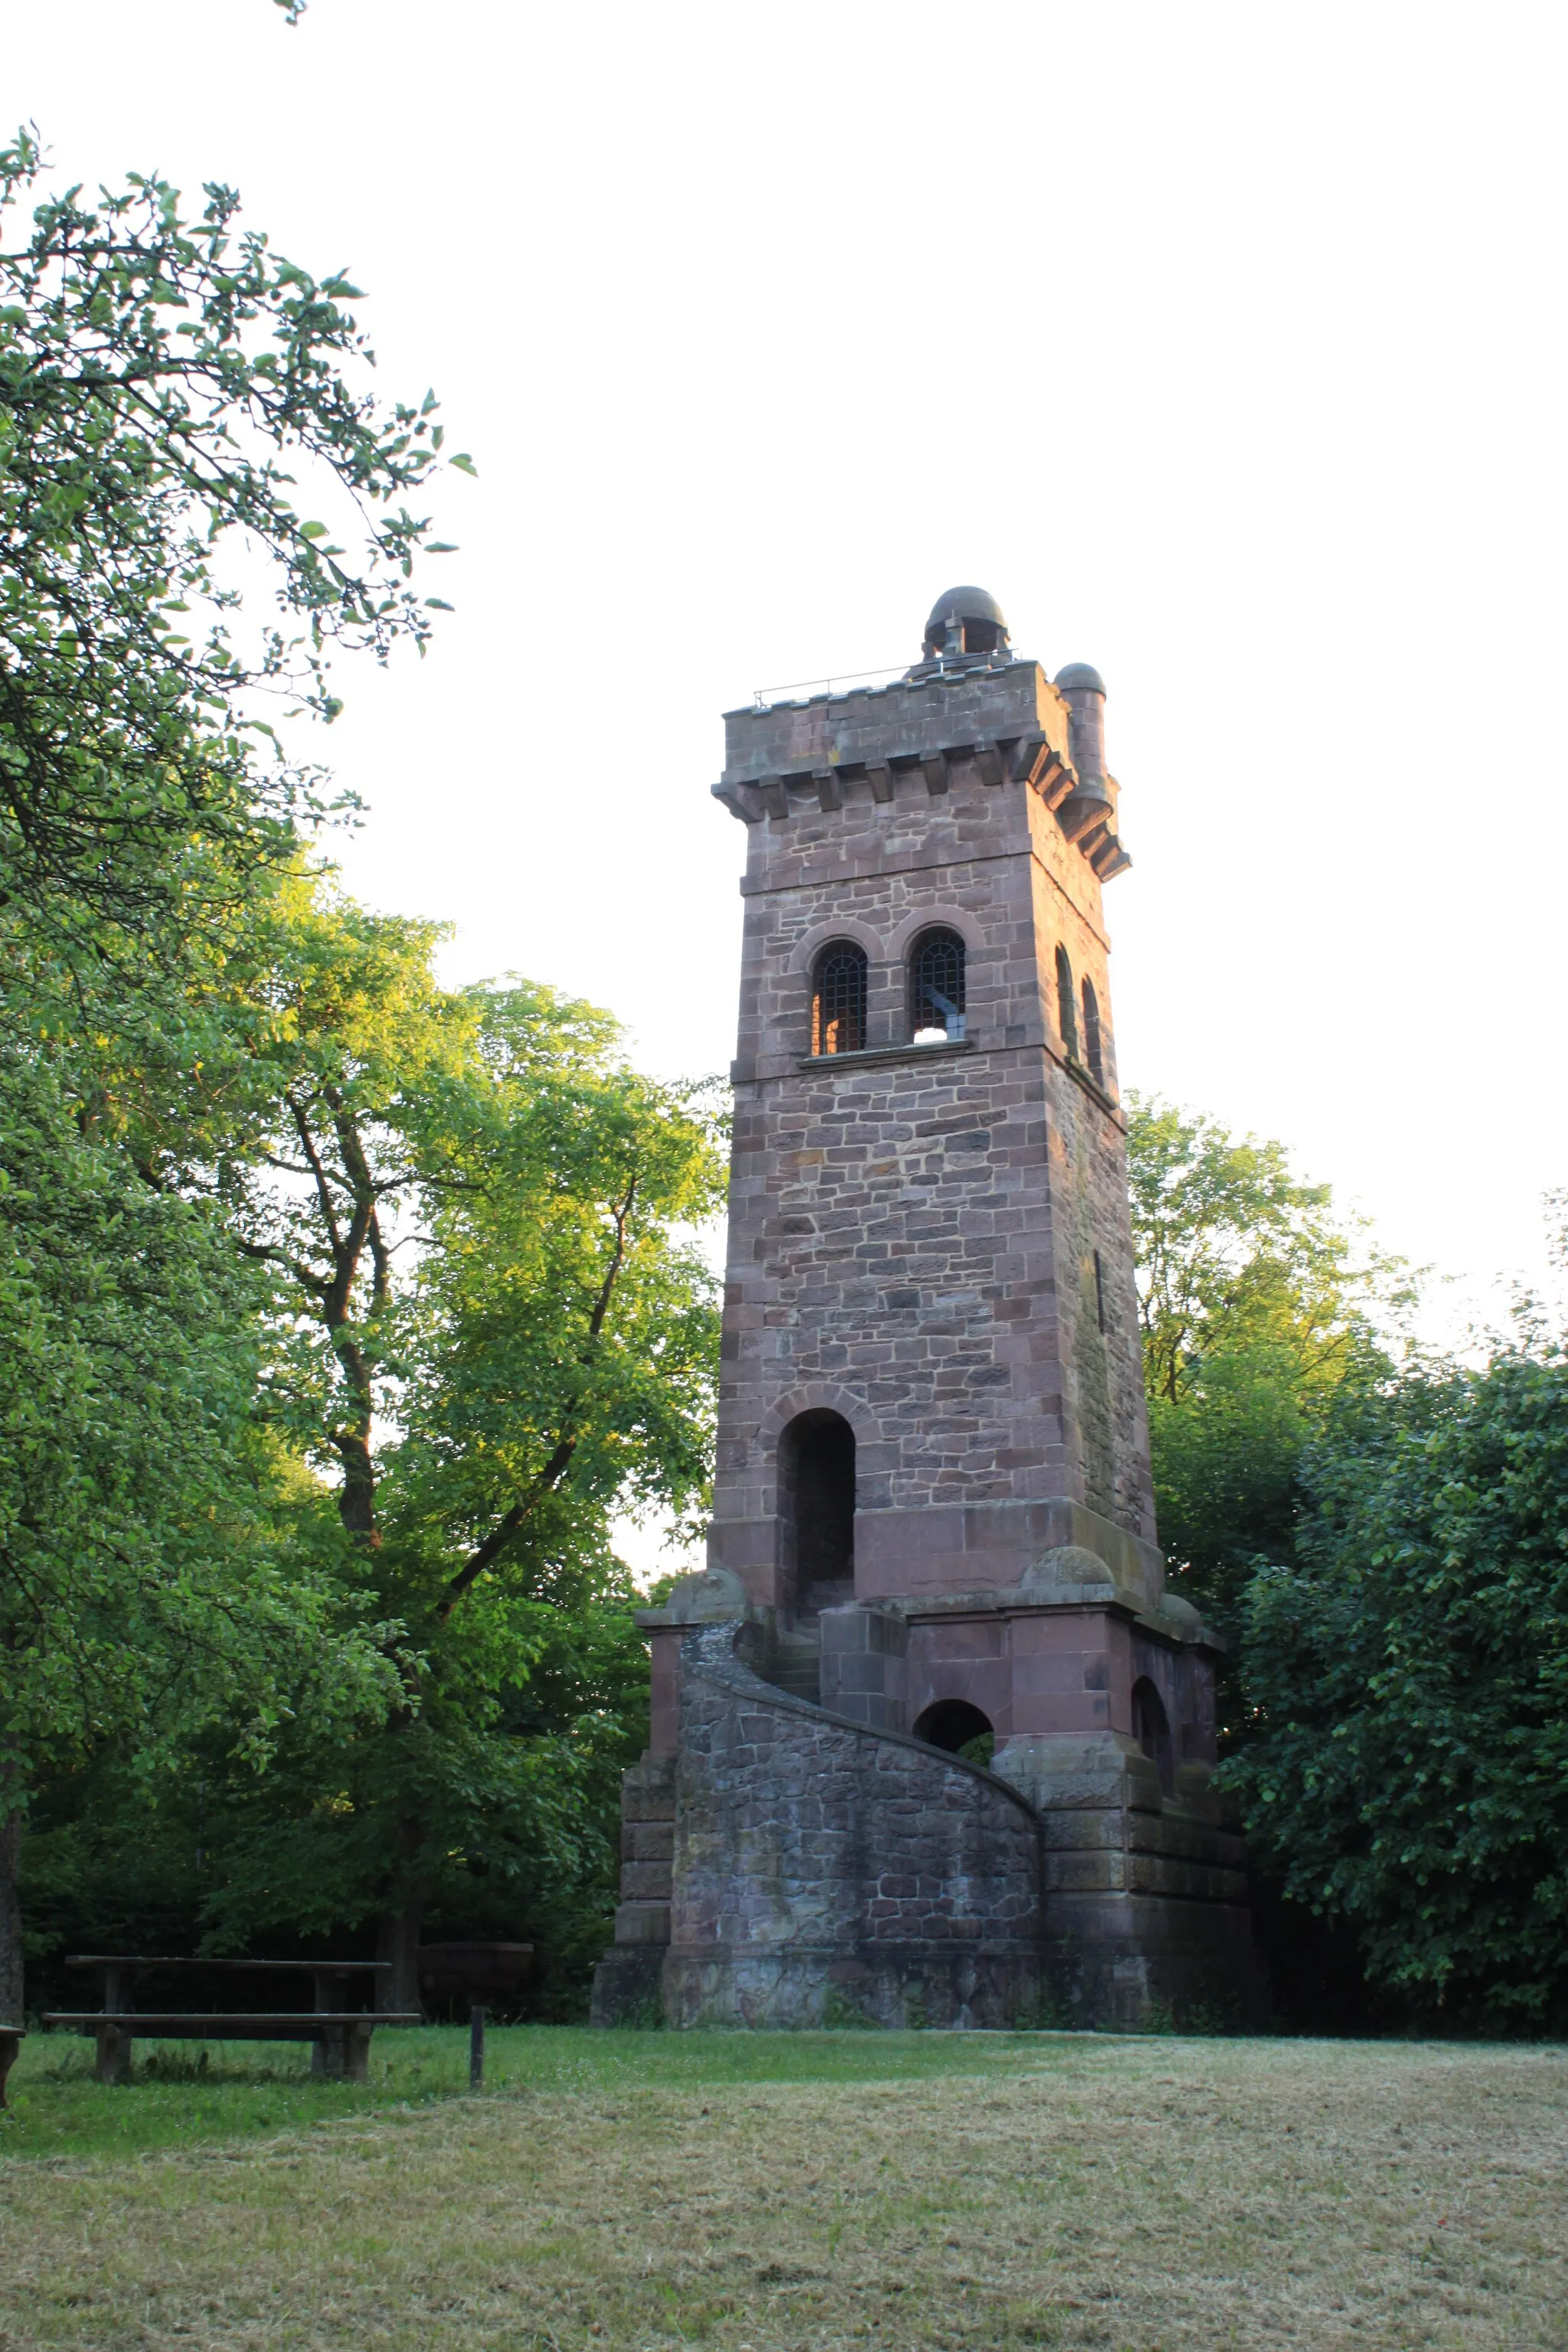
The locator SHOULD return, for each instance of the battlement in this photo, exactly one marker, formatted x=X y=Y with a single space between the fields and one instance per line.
x=996 y=721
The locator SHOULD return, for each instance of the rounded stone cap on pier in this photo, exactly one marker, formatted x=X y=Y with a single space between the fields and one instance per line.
x=1070 y=1565
x=1081 y=676
x=710 y=1596
x=984 y=626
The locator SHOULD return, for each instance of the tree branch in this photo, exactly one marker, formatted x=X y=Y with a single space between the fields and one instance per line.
x=560 y=1461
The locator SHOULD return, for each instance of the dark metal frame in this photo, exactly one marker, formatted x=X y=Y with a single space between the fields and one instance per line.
x=937 y=974
x=839 y=988
x=1067 y=1002
x=1093 y=1051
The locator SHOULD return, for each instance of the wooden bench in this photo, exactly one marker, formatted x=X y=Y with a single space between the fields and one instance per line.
x=11 y=2040
x=340 y=2035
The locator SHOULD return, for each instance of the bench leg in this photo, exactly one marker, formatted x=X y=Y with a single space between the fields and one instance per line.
x=113 y=2061
x=9 y=2045
x=330 y=2052
x=358 y=2039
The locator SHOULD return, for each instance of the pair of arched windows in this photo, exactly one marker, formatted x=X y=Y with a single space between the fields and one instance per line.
x=1068 y=1002
x=841 y=983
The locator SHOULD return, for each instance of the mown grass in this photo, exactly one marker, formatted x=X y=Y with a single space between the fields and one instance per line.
x=187 y=2094
x=803 y=2194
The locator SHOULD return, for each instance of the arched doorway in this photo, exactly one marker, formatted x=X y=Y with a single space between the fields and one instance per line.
x=816 y=1502
x=963 y=1730
x=1151 y=1730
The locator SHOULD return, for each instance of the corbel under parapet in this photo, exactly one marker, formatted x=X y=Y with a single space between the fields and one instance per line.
x=1089 y=821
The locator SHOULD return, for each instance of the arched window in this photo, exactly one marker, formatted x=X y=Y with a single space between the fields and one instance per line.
x=839 y=999
x=1067 y=1010
x=962 y=1729
x=1091 y=1047
x=817 y=1506
x=1151 y=1730
x=936 y=988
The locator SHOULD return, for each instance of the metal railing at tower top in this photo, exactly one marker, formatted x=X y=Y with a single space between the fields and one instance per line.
x=762 y=696
x=929 y=665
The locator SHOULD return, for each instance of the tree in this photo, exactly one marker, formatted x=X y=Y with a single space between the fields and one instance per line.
x=320 y=1125
x=1258 y=1306
x=148 y=1590
x=160 y=377
x=499 y=1331
x=1406 y=1768
x=161 y=380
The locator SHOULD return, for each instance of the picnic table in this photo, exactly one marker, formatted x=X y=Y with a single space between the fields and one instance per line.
x=340 y=2035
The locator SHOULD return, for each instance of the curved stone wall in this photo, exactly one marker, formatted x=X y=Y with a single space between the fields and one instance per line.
x=827 y=1874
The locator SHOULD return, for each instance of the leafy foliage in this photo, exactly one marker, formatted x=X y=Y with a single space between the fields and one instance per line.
x=469 y=1292
x=1258 y=1306
x=159 y=376
x=165 y=1563
x=495 y=1331
x=145 y=1594
x=1407 y=1764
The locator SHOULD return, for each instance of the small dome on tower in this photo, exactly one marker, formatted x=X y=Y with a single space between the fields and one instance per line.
x=1082 y=676
x=975 y=617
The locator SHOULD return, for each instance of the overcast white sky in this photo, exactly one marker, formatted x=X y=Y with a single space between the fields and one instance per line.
x=1223 y=343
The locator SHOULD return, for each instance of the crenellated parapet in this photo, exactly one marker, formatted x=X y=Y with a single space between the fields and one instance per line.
x=996 y=723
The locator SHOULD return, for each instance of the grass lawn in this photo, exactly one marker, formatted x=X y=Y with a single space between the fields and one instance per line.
x=793 y=2193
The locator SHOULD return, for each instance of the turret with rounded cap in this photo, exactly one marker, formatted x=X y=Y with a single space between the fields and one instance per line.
x=965 y=621
x=1082 y=688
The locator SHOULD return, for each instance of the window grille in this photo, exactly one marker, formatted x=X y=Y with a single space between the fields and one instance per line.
x=1067 y=1010
x=936 y=987
x=838 y=1000
x=1091 y=1048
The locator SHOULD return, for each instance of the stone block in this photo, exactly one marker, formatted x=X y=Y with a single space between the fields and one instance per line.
x=642 y=1922
x=647 y=1841
x=649 y=1879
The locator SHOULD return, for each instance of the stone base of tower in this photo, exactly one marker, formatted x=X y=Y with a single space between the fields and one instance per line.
x=629 y=1988
x=1146 y=1893
x=1138 y=1961
x=914 y=1987
x=788 y=1866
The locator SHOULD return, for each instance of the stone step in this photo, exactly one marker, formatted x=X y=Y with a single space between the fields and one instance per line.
x=793 y=1664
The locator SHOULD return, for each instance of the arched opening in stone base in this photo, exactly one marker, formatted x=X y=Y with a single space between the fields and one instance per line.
x=816 y=1508
x=963 y=1730
x=1151 y=1730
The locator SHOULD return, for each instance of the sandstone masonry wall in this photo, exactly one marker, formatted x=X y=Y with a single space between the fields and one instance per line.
x=824 y=1872
x=914 y=1230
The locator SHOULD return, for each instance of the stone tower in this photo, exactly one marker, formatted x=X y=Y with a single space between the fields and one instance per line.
x=929 y=1740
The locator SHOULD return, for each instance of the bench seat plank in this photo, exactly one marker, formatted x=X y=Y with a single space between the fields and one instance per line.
x=342 y=2036
x=302 y=2025
x=152 y=1960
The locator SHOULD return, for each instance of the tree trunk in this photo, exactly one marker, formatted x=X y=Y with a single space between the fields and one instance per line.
x=11 y=1986
x=397 y=1936
x=356 y=1500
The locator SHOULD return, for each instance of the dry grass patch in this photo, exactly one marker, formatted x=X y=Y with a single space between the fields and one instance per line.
x=1139 y=2195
